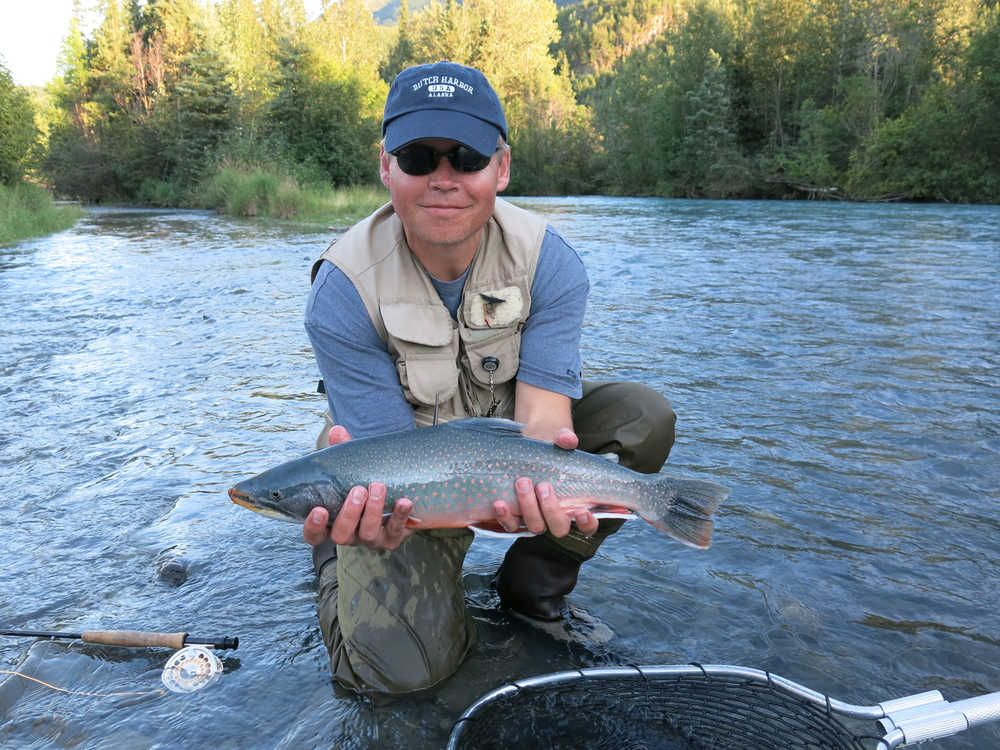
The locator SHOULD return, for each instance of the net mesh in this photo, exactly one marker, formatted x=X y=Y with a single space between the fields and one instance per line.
x=638 y=711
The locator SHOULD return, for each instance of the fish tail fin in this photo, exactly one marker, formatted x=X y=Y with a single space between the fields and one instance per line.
x=687 y=516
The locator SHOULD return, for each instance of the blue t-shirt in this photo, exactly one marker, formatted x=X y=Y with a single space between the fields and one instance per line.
x=362 y=387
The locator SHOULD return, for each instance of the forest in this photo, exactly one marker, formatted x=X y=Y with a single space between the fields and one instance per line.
x=162 y=101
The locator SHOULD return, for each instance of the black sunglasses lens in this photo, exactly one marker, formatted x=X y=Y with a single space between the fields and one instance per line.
x=421 y=160
x=416 y=160
x=467 y=160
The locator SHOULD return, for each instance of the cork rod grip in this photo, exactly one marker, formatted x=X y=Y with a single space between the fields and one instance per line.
x=134 y=638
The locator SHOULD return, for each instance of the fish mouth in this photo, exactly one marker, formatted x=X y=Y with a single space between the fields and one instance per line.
x=247 y=501
x=241 y=498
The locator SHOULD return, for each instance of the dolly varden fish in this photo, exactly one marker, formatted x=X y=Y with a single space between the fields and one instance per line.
x=454 y=472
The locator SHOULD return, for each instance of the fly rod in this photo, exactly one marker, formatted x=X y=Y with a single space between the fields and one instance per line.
x=132 y=638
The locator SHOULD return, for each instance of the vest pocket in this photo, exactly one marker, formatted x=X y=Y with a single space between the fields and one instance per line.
x=424 y=340
x=502 y=348
x=428 y=378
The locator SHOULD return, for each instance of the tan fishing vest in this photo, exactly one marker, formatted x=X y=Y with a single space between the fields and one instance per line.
x=464 y=368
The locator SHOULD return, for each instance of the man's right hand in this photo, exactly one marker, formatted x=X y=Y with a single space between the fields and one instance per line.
x=360 y=520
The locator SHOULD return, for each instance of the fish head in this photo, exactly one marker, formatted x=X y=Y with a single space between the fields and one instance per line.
x=290 y=491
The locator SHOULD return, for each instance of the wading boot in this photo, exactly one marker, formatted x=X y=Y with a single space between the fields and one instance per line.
x=533 y=581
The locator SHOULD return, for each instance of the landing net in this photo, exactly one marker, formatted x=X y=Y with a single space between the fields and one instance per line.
x=664 y=708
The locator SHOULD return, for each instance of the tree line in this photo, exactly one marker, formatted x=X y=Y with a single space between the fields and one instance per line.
x=855 y=99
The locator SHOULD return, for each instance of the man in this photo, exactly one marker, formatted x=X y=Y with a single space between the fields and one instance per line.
x=445 y=303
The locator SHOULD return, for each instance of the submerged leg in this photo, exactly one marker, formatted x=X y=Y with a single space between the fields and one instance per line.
x=395 y=622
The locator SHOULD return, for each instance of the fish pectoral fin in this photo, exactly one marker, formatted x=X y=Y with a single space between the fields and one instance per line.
x=625 y=515
x=490 y=525
x=413 y=523
x=611 y=510
x=494 y=529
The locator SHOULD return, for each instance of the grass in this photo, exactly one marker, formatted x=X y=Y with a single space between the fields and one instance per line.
x=255 y=191
x=27 y=210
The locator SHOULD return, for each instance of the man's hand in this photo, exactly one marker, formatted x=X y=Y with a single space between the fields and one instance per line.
x=360 y=519
x=540 y=510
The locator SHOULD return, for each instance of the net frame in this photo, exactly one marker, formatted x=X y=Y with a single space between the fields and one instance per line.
x=708 y=707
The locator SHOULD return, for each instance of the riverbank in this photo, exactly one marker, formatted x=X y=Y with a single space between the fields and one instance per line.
x=253 y=191
x=28 y=210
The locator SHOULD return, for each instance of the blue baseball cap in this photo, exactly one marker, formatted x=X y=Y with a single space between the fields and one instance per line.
x=443 y=100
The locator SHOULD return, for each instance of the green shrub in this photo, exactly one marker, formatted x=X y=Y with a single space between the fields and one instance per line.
x=158 y=193
x=258 y=191
x=28 y=211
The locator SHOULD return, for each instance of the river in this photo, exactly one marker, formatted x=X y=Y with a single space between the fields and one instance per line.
x=835 y=364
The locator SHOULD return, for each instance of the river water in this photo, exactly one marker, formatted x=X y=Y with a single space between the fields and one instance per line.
x=836 y=365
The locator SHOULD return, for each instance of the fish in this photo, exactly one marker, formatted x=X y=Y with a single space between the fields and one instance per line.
x=454 y=472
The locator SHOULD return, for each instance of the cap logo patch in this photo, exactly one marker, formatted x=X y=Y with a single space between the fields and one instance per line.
x=442 y=87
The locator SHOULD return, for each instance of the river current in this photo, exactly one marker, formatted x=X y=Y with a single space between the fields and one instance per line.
x=836 y=365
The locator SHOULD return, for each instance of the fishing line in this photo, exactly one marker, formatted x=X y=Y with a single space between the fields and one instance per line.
x=80 y=692
x=190 y=669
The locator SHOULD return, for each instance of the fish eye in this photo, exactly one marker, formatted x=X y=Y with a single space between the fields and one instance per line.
x=275 y=494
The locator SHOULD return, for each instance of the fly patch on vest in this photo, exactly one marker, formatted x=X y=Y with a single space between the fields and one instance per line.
x=495 y=308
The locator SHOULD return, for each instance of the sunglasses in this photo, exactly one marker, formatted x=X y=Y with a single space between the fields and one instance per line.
x=419 y=160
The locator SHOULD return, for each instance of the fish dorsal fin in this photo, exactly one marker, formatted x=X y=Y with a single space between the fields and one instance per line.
x=490 y=425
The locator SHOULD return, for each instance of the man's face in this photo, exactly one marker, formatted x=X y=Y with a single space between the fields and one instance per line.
x=444 y=212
